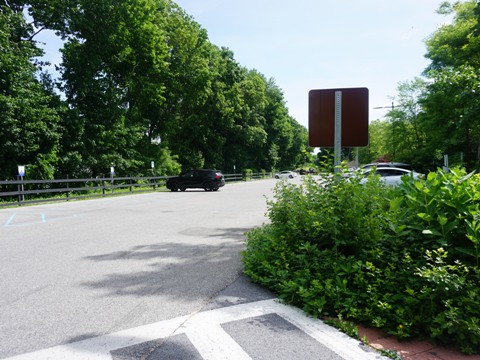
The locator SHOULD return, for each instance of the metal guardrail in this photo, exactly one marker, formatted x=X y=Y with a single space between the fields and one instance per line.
x=22 y=192
x=247 y=177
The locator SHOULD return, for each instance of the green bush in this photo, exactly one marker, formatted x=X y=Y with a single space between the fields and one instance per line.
x=247 y=174
x=404 y=259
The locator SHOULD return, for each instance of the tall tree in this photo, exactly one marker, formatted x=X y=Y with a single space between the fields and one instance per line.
x=406 y=138
x=188 y=114
x=452 y=122
x=113 y=64
x=279 y=128
x=378 y=142
x=29 y=132
x=451 y=104
x=143 y=83
x=456 y=43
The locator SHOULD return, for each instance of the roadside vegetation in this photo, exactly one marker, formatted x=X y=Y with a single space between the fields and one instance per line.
x=191 y=105
x=404 y=259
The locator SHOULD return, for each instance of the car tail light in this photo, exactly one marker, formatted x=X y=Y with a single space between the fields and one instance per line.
x=218 y=176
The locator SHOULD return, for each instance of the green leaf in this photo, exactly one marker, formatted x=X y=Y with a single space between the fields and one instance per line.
x=467 y=251
x=431 y=176
x=442 y=220
x=450 y=226
x=424 y=216
x=395 y=204
x=431 y=232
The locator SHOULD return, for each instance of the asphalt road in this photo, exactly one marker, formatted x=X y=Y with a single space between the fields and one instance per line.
x=150 y=276
x=75 y=270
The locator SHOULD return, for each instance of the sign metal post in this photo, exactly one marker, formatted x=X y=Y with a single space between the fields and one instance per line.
x=338 y=130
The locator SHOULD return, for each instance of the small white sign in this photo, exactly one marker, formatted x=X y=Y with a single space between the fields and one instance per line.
x=112 y=170
x=21 y=170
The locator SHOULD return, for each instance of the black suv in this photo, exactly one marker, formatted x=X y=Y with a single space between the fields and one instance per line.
x=210 y=180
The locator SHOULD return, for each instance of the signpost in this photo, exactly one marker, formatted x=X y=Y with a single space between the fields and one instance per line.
x=21 y=174
x=152 y=165
x=112 y=173
x=338 y=118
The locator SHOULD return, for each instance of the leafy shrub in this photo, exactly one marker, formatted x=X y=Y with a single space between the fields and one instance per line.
x=247 y=174
x=404 y=259
x=444 y=209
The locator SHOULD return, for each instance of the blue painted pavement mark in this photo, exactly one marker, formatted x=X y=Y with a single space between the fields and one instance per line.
x=9 y=220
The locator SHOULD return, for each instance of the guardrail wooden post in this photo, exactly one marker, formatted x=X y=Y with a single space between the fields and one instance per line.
x=19 y=191
x=68 y=192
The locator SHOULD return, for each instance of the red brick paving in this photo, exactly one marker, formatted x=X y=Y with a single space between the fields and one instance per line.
x=410 y=350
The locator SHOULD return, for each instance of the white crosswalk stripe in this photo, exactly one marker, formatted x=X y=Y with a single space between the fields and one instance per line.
x=206 y=334
x=213 y=343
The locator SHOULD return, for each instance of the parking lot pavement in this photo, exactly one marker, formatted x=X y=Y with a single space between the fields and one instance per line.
x=242 y=322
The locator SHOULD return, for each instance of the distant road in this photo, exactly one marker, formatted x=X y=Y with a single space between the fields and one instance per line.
x=81 y=269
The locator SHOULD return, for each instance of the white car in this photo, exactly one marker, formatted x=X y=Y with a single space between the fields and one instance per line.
x=391 y=175
x=285 y=174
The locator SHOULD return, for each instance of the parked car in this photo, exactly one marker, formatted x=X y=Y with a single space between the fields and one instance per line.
x=391 y=175
x=209 y=180
x=286 y=174
x=388 y=164
x=305 y=171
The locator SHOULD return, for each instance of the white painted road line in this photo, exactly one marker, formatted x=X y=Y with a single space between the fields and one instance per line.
x=206 y=334
x=99 y=348
x=343 y=345
x=213 y=343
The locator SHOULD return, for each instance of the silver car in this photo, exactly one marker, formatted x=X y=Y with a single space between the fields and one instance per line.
x=391 y=175
x=286 y=174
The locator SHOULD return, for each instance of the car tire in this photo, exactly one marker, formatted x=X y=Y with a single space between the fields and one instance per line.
x=290 y=176
x=276 y=177
x=215 y=189
x=208 y=186
x=183 y=188
x=174 y=187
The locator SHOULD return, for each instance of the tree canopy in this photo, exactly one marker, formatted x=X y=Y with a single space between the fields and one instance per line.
x=437 y=114
x=139 y=81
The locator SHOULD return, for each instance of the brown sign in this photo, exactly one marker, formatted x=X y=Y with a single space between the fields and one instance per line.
x=354 y=114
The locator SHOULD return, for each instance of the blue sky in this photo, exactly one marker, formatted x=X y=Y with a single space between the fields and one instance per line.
x=319 y=44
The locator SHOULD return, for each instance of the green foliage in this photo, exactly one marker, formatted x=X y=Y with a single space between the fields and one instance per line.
x=439 y=114
x=451 y=102
x=29 y=131
x=378 y=144
x=444 y=211
x=456 y=43
x=346 y=327
x=133 y=74
x=451 y=107
x=165 y=163
x=404 y=259
x=247 y=174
